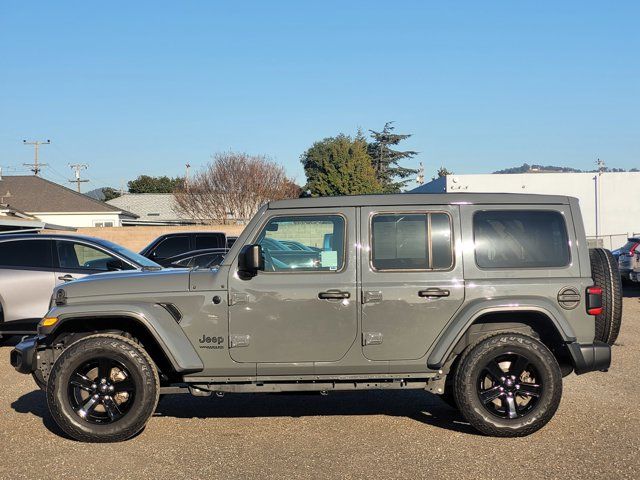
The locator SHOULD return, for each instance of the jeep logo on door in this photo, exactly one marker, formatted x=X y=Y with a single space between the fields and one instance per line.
x=211 y=342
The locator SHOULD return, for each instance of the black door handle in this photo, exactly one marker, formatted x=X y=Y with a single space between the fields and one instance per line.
x=433 y=293
x=66 y=278
x=333 y=295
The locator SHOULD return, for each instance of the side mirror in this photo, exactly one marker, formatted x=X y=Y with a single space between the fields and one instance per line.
x=250 y=261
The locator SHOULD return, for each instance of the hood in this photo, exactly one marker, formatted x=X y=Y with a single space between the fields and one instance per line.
x=128 y=282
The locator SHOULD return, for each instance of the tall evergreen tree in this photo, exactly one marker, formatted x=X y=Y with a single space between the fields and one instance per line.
x=385 y=160
x=339 y=166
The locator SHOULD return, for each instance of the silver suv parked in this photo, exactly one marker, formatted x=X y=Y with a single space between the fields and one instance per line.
x=31 y=265
x=485 y=299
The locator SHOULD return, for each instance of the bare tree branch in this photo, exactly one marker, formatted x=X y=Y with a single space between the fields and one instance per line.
x=232 y=188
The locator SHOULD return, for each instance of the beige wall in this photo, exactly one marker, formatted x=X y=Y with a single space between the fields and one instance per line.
x=136 y=238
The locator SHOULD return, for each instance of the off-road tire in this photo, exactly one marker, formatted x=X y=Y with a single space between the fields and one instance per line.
x=471 y=364
x=604 y=271
x=144 y=375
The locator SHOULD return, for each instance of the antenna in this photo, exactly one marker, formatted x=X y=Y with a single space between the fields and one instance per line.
x=77 y=167
x=35 y=166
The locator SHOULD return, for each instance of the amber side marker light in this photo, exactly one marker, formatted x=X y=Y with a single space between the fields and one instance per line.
x=594 y=300
x=48 y=321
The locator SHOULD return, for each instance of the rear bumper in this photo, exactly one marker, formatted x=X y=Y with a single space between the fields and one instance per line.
x=591 y=357
x=23 y=356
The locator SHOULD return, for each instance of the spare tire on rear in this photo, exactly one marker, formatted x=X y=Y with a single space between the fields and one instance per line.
x=604 y=270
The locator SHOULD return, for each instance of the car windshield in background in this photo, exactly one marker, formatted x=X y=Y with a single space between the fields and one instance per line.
x=128 y=254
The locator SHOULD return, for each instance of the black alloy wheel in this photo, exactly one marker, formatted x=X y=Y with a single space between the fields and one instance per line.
x=101 y=391
x=509 y=386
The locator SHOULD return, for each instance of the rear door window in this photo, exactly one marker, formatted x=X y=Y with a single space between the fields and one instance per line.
x=215 y=240
x=26 y=253
x=521 y=239
x=411 y=241
x=172 y=246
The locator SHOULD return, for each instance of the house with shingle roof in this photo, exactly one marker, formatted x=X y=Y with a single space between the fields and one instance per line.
x=150 y=209
x=51 y=203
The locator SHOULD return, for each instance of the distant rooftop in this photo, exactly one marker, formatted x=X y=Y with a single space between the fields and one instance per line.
x=151 y=208
x=31 y=194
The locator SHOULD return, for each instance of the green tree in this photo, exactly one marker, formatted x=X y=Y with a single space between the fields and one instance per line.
x=442 y=172
x=385 y=160
x=339 y=166
x=148 y=184
x=110 y=193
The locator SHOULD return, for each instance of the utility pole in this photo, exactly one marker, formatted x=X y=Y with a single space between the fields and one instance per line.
x=35 y=166
x=186 y=174
x=601 y=169
x=77 y=167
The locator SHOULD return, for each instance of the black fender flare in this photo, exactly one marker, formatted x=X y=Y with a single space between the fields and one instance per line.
x=154 y=318
x=456 y=329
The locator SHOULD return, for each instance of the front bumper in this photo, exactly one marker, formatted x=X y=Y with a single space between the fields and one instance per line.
x=23 y=356
x=590 y=357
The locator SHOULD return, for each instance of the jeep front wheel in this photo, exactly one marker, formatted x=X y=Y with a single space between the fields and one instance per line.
x=508 y=385
x=103 y=388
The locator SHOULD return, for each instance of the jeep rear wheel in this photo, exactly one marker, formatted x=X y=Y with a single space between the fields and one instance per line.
x=508 y=385
x=103 y=388
x=604 y=271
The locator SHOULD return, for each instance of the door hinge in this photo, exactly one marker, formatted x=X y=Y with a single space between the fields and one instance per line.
x=371 y=338
x=369 y=296
x=236 y=298
x=239 y=341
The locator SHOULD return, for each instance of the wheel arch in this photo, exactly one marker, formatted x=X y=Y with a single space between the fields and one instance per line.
x=550 y=326
x=162 y=337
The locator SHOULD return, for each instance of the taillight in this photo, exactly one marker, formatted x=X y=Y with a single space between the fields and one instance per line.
x=633 y=249
x=594 y=300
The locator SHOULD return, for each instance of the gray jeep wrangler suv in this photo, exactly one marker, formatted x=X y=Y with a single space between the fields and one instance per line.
x=486 y=299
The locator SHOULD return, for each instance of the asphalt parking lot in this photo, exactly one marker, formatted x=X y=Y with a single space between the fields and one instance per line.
x=410 y=434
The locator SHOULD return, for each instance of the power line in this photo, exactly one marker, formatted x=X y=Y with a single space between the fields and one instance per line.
x=77 y=167
x=35 y=166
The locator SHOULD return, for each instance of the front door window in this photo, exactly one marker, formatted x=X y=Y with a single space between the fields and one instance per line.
x=303 y=244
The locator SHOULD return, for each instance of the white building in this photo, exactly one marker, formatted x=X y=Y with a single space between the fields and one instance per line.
x=51 y=203
x=610 y=201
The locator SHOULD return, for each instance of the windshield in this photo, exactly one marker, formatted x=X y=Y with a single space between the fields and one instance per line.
x=128 y=254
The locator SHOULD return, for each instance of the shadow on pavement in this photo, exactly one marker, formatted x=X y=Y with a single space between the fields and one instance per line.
x=35 y=403
x=631 y=290
x=416 y=405
x=10 y=341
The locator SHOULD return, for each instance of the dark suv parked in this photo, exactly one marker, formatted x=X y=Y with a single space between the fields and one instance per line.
x=164 y=249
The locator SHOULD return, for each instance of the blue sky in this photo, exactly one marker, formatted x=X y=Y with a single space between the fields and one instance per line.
x=144 y=87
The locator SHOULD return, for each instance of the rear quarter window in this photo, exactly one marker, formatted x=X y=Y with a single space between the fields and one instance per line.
x=26 y=253
x=521 y=239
